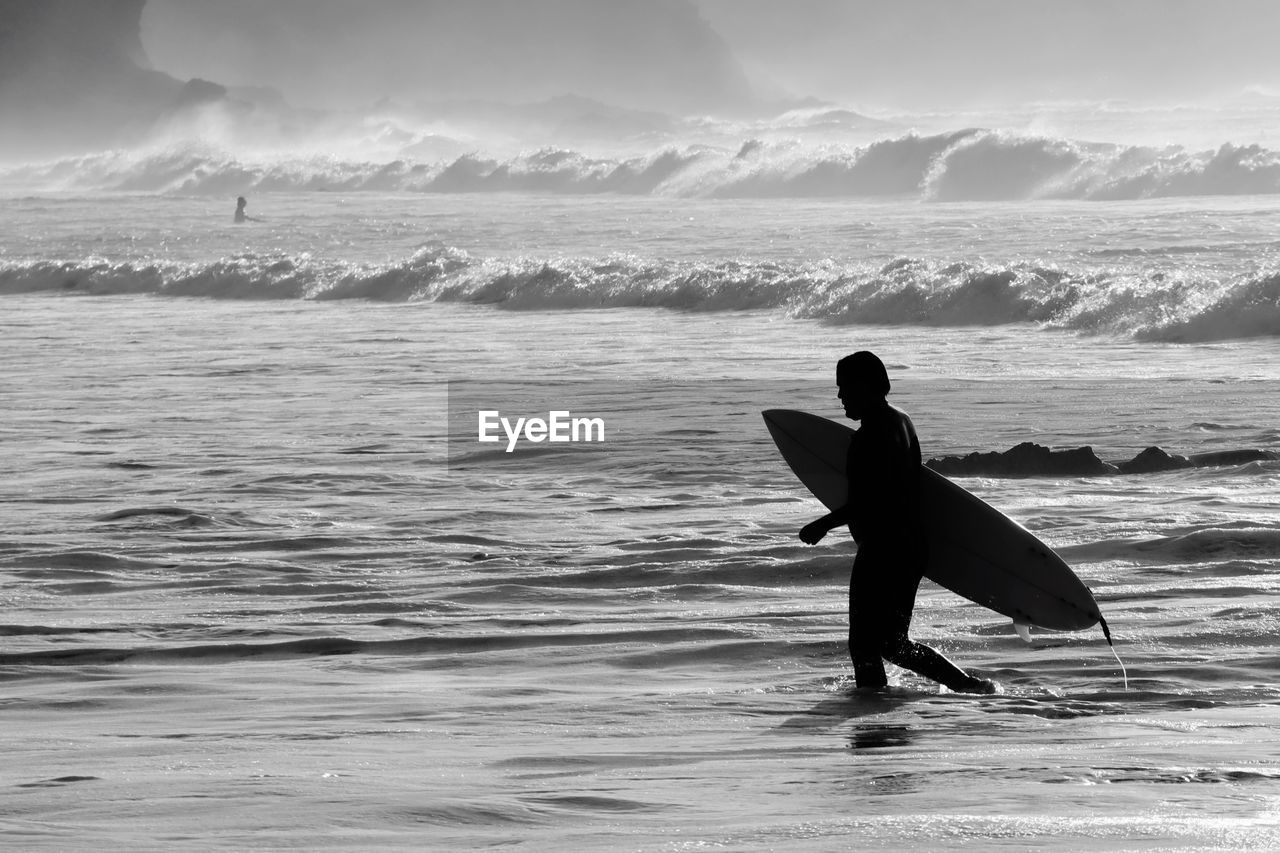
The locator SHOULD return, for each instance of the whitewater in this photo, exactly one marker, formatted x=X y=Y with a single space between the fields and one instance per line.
x=1161 y=270
x=260 y=591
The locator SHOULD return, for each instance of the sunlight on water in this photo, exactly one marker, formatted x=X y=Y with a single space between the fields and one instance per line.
x=239 y=567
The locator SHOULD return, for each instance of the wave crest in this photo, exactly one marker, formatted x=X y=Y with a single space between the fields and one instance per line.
x=906 y=291
x=964 y=165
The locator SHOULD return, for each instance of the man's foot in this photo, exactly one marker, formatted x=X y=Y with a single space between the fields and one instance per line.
x=983 y=686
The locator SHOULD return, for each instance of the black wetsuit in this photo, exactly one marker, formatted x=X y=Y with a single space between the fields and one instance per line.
x=883 y=466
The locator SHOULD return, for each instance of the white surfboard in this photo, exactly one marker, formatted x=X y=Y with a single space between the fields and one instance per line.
x=974 y=550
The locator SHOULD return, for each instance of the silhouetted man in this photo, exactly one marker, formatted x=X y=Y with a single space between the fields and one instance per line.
x=884 y=517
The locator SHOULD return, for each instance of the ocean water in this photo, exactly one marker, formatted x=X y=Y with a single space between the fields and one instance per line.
x=255 y=599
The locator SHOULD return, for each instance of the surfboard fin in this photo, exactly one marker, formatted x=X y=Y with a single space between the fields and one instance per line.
x=1023 y=630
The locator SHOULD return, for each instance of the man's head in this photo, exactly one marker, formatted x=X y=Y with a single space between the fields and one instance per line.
x=863 y=382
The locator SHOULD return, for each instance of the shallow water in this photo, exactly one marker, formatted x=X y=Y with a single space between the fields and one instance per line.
x=253 y=600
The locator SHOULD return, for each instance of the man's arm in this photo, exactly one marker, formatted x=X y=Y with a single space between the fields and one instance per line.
x=812 y=533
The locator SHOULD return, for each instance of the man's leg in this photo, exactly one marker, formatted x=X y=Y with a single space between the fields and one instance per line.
x=865 y=631
x=899 y=598
x=923 y=660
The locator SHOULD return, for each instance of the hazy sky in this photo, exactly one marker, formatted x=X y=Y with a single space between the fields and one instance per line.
x=957 y=52
x=689 y=53
x=646 y=53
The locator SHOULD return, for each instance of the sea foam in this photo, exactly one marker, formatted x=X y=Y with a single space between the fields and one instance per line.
x=906 y=291
x=963 y=165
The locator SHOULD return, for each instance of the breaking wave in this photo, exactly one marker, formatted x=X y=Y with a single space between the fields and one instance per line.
x=1160 y=307
x=965 y=165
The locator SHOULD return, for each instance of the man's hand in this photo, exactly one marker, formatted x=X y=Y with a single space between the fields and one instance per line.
x=812 y=533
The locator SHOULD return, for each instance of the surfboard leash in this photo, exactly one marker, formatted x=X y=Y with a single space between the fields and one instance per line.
x=1106 y=632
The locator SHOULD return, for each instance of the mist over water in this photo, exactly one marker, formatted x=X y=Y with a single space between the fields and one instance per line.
x=918 y=54
x=970 y=165
x=926 y=55
x=660 y=55
x=677 y=97
x=494 y=79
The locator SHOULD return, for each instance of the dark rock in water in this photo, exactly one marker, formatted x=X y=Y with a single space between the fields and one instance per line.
x=1154 y=459
x=1233 y=457
x=1034 y=460
x=1026 y=460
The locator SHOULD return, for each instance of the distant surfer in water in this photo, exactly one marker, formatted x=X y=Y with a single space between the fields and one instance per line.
x=241 y=216
x=884 y=516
